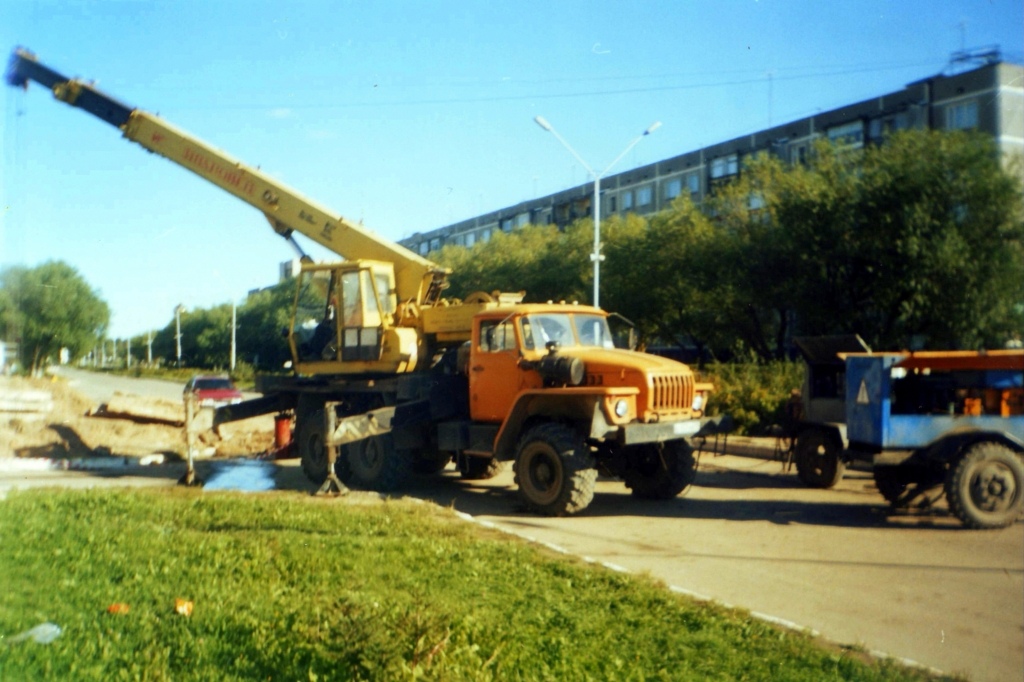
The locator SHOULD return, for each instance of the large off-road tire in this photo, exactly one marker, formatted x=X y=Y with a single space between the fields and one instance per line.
x=818 y=459
x=660 y=471
x=374 y=464
x=554 y=470
x=985 y=486
x=478 y=468
x=309 y=438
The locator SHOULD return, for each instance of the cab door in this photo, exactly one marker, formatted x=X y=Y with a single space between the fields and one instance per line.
x=495 y=377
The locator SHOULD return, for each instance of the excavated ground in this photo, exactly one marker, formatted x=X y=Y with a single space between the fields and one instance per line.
x=71 y=426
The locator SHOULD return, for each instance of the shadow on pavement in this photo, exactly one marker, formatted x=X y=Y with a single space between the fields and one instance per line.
x=719 y=493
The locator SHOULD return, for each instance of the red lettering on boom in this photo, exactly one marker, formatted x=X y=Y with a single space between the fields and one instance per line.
x=232 y=178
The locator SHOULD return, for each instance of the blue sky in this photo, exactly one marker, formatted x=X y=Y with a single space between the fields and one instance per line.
x=406 y=115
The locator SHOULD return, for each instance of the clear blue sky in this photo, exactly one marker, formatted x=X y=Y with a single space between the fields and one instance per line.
x=406 y=115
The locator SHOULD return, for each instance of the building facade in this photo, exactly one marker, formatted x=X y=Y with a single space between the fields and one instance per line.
x=989 y=97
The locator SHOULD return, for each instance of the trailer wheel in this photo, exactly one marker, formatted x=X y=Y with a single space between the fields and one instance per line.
x=892 y=482
x=374 y=464
x=985 y=486
x=818 y=463
x=554 y=470
x=310 y=438
x=477 y=468
x=660 y=471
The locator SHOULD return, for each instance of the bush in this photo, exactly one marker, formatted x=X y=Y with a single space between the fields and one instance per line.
x=753 y=393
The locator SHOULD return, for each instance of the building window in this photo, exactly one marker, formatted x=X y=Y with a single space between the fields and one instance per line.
x=725 y=166
x=471 y=239
x=848 y=134
x=693 y=184
x=424 y=248
x=798 y=154
x=612 y=203
x=485 y=235
x=673 y=188
x=627 y=201
x=643 y=196
x=522 y=220
x=435 y=244
x=506 y=225
x=962 y=116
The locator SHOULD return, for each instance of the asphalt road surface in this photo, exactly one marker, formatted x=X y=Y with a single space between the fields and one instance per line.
x=915 y=586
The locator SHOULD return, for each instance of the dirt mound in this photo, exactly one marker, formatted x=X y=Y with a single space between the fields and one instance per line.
x=72 y=426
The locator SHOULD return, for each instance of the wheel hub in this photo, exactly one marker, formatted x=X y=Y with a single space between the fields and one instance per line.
x=993 y=488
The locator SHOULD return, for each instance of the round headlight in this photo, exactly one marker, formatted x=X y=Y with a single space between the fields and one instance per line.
x=621 y=408
x=698 y=401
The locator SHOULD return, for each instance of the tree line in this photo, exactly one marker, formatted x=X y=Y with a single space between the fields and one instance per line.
x=915 y=243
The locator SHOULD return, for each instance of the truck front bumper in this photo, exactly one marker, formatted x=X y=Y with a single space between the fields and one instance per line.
x=636 y=434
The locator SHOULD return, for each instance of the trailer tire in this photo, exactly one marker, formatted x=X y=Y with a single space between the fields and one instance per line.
x=818 y=460
x=892 y=481
x=985 y=486
x=374 y=464
x=660 y=471
x=554 y=470
x=309 y=436
x=477 y=468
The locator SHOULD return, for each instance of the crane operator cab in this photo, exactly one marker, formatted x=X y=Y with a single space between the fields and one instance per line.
x=344 y=321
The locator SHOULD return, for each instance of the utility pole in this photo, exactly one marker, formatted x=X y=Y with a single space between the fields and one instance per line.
x=233 y=345
x=128 y=353
x=149 y=348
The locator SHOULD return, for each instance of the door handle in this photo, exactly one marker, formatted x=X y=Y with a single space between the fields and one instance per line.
x=478 y=368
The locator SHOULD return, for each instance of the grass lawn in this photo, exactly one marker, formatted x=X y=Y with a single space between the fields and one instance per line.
x=288 y=587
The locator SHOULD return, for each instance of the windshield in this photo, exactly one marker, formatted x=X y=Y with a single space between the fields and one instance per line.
x=213 y=384
x=567 y=330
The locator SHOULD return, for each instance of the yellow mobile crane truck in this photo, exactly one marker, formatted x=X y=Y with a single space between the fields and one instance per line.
x=391 y=378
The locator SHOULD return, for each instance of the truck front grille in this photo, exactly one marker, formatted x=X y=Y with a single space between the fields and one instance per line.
x=672 y=392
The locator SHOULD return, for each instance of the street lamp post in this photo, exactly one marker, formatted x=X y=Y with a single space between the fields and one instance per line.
x=178 y=310
x=596 y=256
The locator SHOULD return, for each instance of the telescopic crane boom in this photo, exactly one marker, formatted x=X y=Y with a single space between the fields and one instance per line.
x=416 y=279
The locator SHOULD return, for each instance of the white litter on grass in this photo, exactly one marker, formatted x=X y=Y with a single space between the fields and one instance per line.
x=44 y=633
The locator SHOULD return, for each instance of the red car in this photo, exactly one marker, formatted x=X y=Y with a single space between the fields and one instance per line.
x=213 y=391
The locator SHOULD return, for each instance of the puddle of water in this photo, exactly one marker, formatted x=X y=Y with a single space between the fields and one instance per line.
x=246 y=475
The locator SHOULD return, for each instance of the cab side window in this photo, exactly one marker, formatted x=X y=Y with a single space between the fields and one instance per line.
x=497 y=336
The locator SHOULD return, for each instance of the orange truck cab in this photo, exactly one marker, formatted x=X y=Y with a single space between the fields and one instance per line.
x=548 y=390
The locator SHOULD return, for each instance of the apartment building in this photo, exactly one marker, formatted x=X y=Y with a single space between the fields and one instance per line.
x=981 y=92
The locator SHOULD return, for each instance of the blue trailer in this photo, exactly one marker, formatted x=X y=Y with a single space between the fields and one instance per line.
x=928 y=423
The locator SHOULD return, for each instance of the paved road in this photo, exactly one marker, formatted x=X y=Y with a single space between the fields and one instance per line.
x=915 y=586
x=100 y=387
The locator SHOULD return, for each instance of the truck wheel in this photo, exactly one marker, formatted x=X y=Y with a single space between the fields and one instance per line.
x=374 y=464
x=309 y=435
x=660 y=472
x=985 y=486
x=817 y=459
x=554 y=470
x=431 y=463
x=477 y=468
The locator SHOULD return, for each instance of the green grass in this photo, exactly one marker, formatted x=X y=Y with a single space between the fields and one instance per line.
x=296 y=588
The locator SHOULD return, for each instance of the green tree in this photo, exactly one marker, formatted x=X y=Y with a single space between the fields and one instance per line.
x=546 y=263
x=262 y=320
x=51 y=307
x=916 y=240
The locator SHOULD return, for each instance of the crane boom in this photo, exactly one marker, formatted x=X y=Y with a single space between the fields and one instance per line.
x=417 y=279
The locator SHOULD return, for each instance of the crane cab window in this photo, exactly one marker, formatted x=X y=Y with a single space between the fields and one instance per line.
x=360 y=317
